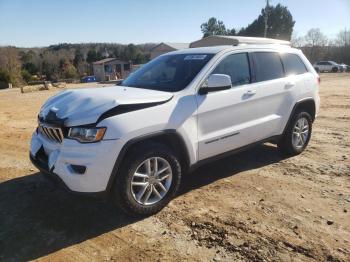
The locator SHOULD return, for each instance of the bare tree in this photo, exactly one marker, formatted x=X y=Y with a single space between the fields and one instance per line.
x=343 y=43
x=315 y=37
x=343 y=38
x=10 y=64
x=315 y=41
x=297 y=41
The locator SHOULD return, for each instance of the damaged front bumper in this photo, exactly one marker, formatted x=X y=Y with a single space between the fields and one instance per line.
x=84 y=168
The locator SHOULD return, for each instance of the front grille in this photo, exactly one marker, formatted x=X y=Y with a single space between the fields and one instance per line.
x=53 y=133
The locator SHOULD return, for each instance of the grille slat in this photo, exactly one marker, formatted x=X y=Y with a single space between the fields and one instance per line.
x=53 y=133
x=46 y=132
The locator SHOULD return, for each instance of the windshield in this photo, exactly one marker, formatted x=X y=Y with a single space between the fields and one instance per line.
x=170 y=73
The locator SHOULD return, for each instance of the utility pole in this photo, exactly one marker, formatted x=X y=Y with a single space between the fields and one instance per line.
x=266 y=17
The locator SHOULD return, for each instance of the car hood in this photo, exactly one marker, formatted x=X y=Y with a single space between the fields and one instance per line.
x=85 y=106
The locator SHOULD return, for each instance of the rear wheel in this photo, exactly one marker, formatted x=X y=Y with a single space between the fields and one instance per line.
x=148 y=179
x=297 y=135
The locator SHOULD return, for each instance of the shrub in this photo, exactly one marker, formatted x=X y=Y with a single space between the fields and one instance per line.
x=5 y=77
x=26 y=75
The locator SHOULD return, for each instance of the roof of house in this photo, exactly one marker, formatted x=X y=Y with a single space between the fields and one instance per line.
x=176 y=46
x=106 y=60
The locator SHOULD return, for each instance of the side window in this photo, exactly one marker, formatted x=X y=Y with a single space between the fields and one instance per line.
x=293 y=65
x=237 y=67
x=268 y=66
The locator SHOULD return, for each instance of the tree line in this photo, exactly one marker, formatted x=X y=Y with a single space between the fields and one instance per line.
x=22 y=65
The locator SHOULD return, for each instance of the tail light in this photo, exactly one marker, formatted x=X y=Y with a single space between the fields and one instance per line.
x=318 y=80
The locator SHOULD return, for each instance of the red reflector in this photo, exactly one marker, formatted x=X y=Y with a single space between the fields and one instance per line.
x=319 y=80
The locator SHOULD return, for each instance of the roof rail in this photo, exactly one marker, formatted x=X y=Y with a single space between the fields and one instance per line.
x=215 y=40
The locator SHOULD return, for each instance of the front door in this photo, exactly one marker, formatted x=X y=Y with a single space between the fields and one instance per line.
x=224 y=116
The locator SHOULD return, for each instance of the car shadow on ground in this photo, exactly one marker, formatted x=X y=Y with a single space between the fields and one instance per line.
x=253 y=158
x=37 y=219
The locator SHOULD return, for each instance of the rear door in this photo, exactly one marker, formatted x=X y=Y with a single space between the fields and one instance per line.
x=275 y=93
x=328 y=66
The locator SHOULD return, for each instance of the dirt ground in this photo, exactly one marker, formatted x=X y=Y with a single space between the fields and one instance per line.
x=253 y=206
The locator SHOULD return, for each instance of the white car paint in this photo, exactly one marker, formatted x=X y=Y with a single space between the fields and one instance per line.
x=86 y=105
x=242 y=115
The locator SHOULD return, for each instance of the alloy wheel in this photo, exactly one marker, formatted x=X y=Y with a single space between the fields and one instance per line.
x=300 y=133
x=151 y=181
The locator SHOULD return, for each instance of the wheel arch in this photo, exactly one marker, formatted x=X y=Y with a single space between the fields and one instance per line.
x=308 y=105
x=169 y=137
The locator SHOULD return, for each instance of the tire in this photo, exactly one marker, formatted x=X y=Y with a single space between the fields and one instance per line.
x=335 y=69
x=126 y=195
x=287 y=144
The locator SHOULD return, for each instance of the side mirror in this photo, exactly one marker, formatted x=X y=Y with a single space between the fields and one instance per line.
x=216 y=82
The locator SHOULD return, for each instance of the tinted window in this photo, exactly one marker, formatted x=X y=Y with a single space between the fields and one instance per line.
x=237 y=67
x=293 y=64
x=268 y=66
x=170 y=73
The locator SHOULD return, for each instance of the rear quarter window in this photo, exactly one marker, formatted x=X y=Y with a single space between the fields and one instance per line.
x=268 y=66
x=293 y=65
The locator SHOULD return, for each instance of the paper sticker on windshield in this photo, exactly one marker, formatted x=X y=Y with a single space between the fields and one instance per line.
x=195 y=57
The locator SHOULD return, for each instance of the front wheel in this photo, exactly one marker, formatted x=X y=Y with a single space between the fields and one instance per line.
x=297 y=134
x=148 y=179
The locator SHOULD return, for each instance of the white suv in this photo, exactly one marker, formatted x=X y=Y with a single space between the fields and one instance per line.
x=182 y=109
x=328 y=66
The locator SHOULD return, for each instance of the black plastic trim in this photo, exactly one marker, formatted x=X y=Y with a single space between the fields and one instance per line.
x=231 y=152
x=128 y=144
x=52 y=119
x=252 y=67
x=122 y=109
x=205 y=90
x=293 y=112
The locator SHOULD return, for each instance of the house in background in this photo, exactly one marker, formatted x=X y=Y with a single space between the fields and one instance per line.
x=111 y=69
x=163 y=48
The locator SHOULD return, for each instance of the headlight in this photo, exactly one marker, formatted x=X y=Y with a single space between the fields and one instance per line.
x=87 y=134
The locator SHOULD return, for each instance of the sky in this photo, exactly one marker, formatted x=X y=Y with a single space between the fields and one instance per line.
x=32 y=23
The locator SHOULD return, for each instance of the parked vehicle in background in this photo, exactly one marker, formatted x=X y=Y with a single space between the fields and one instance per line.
x=135 y=141
x=345 y=67
x=328 y=66
x=88 y=79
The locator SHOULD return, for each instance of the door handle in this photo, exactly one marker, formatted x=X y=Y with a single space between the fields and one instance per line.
x=250 y=93
x=289 y=85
